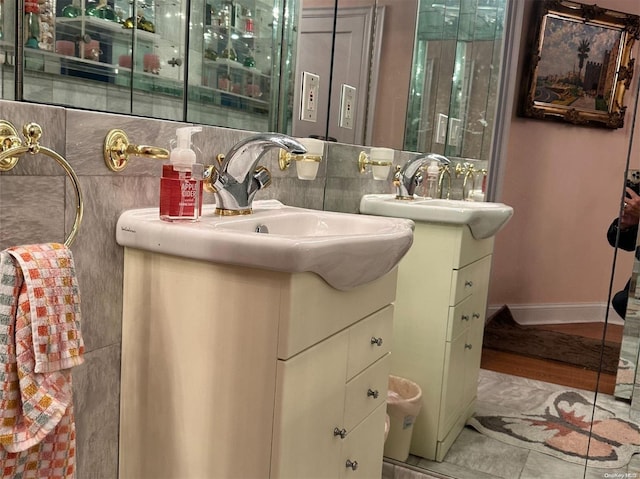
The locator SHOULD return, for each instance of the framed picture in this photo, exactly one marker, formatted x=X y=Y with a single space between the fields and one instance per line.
x=580 y=64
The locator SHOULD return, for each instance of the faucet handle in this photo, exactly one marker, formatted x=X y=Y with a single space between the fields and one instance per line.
x=209 y=177
x=262 y=176
x=396 y=176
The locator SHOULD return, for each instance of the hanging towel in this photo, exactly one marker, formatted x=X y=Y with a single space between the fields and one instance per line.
x=40 y=340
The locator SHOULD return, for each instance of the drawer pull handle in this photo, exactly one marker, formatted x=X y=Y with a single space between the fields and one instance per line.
x=340 y=432
x=465 y=317
x=476 y=315
x=376 y=341
x=468 y=284
x=352 y=464
x=373 y=394
x=468 y=346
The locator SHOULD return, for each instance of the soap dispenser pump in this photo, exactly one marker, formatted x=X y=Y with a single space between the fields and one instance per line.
x=433 y=170
x=181 y=182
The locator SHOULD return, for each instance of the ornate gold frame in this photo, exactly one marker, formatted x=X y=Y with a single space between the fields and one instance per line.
x=551 y=96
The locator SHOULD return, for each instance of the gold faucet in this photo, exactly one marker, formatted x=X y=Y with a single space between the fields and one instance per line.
x=468 y=170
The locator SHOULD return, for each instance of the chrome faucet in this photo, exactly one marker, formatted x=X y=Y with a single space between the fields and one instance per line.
x=409 y=176
x=237 y=178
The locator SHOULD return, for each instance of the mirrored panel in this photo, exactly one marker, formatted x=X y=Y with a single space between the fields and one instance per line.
x=455 y=74
x=108 y=55
x=228 y=63
x=234 y=63
x=313 y=68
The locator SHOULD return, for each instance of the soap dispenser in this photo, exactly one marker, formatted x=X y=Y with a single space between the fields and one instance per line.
x=181 y=182
x=433 y=170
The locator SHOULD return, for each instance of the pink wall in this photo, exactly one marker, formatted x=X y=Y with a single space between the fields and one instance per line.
x=564 y=183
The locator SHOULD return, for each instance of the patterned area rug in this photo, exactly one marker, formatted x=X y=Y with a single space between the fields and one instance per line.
x=561 y=426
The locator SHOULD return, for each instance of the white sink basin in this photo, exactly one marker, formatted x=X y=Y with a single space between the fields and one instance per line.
x=483 y=218
x=346 y=250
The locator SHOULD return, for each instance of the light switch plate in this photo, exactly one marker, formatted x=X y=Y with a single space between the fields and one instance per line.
x=309 y=97
x=441 y=128
x=347 y=106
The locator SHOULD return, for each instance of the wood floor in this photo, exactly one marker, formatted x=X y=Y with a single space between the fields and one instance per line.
x=553 y=371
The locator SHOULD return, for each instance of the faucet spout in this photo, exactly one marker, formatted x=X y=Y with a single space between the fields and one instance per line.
x=407 y=178
x=237 y=179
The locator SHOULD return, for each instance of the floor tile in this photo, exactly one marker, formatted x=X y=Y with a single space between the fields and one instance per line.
x=475 y=456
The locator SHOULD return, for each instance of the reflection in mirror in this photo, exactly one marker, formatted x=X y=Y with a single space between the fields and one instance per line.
x=455 y=74
x=220 y=63
x=234 y=63
x=629 y=297
x=313 y=65
x=506 y=391
x=627 y=301
x=352 y=80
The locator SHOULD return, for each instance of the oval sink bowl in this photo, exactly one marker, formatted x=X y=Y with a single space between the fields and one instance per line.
x=484 y=219
x=346 y=250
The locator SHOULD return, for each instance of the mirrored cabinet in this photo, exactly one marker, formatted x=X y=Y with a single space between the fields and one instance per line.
x=214 y=62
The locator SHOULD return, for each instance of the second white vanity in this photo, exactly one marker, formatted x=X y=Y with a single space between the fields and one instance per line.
x=437 y=339
x=441 y=308
x=237 y=371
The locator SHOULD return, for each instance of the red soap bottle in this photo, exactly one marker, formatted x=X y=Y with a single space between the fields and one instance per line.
x=181 y=181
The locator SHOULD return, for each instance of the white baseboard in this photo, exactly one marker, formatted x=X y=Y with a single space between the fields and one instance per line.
x=560 y=313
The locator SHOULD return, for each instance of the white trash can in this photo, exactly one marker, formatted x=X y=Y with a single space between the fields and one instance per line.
x=404 y=400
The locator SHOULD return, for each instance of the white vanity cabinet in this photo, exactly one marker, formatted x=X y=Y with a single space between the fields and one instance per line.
x=234 y=372
x=438 y=328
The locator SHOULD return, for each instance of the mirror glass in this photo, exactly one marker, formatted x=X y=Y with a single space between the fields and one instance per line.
x=313 y=68
x=235 y=78
x=627 y=382
x=227 y=63
x=455 y=74
x=461 y=83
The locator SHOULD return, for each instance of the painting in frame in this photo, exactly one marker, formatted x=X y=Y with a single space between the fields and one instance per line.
x=580 y=64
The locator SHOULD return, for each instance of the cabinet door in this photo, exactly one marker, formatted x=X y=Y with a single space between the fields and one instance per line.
x=235 y=48
x=453 y=387
x=310 y=400
x=109 y=55
x=363 y=448
x=473 y=356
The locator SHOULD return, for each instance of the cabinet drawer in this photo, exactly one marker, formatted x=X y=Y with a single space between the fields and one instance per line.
x=460 y=317
x=365 y=446
x=366 y=391
x=369 y=340
x=471 y=278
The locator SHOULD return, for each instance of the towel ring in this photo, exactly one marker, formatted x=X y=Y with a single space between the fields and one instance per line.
x=11 y=149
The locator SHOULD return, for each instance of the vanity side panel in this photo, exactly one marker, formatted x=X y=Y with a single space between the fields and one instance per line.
x=199 y=350
x=312 y=310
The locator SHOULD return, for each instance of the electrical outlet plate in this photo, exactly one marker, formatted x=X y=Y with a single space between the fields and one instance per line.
x=347 y=106
x=309 y=97
x=441 y=128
